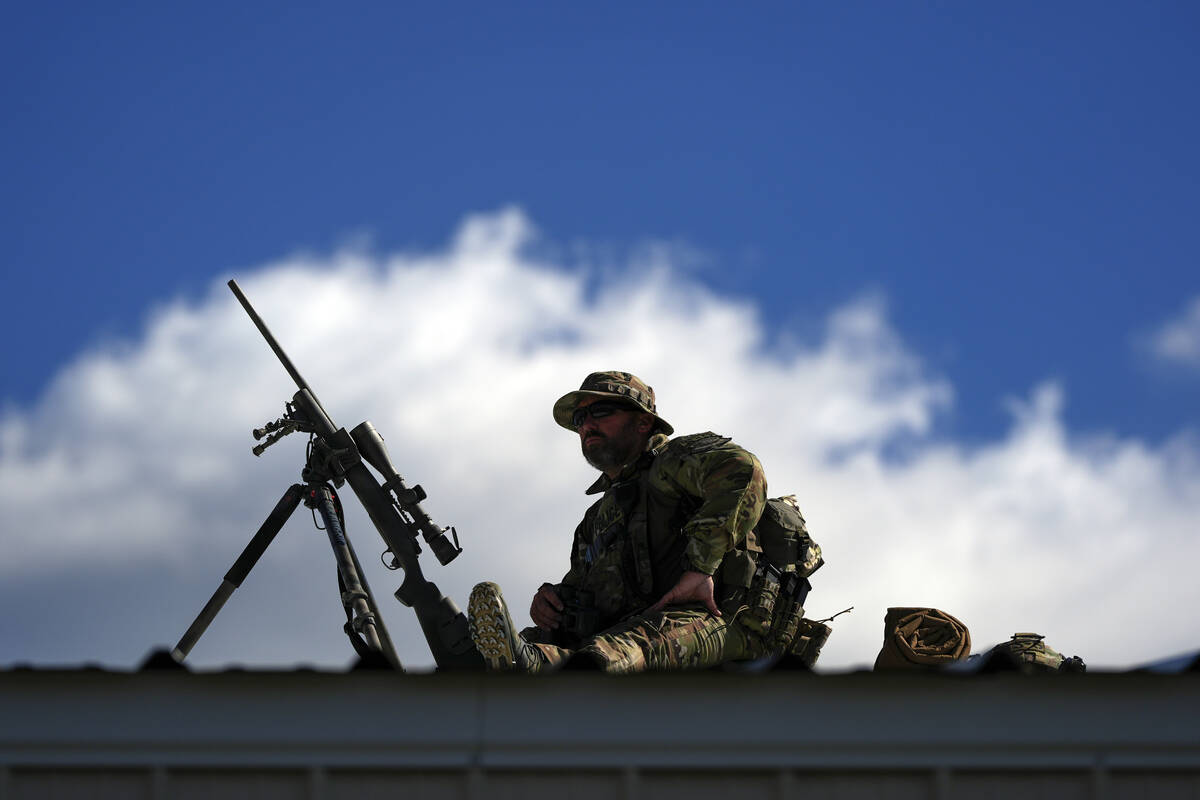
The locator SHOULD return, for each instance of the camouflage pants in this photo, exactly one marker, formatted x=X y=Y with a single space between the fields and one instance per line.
x=682 y=637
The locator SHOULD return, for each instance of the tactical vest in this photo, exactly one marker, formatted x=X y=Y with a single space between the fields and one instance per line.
x=762 y=585
x=652 y=537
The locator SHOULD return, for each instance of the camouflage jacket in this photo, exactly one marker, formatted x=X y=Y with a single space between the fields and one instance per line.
x=684 y=505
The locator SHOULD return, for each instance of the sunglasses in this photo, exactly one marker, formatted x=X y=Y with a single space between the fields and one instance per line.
x=598 y=410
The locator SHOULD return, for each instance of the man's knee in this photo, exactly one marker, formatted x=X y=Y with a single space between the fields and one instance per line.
x=672 y=639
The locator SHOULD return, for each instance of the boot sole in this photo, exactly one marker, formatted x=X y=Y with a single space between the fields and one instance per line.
x=490 y=629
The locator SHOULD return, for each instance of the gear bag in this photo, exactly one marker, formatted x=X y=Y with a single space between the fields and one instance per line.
x=777 y=580
x=1029 y=653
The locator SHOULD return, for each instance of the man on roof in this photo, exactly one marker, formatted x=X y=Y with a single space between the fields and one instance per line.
x=662 y=562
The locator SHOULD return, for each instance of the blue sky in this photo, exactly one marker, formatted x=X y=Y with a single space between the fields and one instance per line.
x=1019 y=179
x=1001 y=197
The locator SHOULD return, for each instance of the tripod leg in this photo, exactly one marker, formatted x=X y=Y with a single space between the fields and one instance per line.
x=364 y=618
x=240 y=569
x=389 y=649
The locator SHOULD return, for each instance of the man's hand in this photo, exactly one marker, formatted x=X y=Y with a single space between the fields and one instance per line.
x=693 y=587
x=546 y=610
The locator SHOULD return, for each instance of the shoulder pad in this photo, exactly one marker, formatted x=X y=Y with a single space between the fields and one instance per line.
x=697 y=443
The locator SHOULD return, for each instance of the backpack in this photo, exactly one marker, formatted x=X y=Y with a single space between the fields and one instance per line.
x=779 y=587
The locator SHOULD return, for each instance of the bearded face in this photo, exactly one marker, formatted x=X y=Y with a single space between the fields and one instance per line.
x=610 y=447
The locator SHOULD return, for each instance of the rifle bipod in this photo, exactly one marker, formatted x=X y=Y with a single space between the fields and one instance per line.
x=364 y=624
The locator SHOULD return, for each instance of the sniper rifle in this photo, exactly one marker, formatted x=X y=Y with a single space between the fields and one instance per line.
x=337 y=456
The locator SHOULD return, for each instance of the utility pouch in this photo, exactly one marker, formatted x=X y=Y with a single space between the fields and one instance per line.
x=810 y=638
x=761 y=600
x=734 y=577
x=737 y=569
x=789 y=611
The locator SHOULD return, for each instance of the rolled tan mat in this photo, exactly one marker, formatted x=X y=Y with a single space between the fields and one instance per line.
x=916 y=638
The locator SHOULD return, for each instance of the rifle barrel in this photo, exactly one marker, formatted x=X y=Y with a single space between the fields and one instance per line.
x=262 y=328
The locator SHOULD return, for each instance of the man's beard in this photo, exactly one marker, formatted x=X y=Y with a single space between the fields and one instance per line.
x=614 y=452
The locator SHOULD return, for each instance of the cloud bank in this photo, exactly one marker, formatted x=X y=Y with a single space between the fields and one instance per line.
x=129 y=487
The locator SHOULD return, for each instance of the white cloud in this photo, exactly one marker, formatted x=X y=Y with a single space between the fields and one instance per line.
x=129 y=489
x=1178 y=340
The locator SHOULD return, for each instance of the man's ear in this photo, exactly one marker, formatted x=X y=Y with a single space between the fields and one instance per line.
x=645 y=423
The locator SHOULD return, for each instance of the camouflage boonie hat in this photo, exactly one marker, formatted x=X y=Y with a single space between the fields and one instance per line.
x=618 y=385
